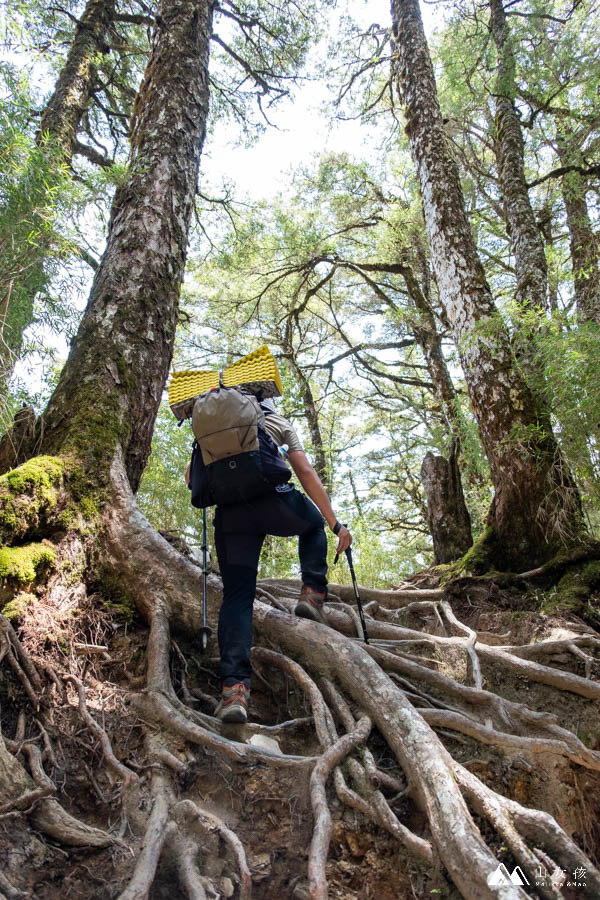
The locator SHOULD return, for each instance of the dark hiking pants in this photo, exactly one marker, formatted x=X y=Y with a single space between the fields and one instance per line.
x=240 y=530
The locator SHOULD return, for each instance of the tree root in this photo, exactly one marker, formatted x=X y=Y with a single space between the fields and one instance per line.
x=10 y=892
x=546 y=675
x=209 y=822
x=160 y=705
x=323 y=827
x=155 y=707
x=157 y=832
x=359 y=670
x=120 y=770
x=508 y=817
x=26 y=803
x=392 y=599
x=322 y=716
x=372 y=708
x=53 y=820
x=10 y=647
x=430 y=782
x=185 y=852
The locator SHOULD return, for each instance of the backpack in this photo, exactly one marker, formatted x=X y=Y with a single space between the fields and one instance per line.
x=233 y=458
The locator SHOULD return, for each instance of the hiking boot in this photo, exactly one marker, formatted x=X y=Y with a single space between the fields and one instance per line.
x=310 y=605
x=234 y=704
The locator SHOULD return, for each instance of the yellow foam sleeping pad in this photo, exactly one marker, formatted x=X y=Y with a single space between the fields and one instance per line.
x=256 y=372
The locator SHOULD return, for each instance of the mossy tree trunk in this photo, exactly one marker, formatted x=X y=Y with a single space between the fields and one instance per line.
x=55 y=509
x=111 y=385
x=536 y=508
x=57 y=138
x=62 y=115
x=447 y=515
x=582 y=240
x=526 y=240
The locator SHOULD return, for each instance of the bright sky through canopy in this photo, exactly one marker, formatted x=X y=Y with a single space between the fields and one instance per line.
x=302 y=127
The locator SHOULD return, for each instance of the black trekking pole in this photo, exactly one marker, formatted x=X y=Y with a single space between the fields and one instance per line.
x=205 y=631
x=356 y=594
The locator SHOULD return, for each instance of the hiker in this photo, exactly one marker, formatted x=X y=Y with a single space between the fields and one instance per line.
x=240 y=529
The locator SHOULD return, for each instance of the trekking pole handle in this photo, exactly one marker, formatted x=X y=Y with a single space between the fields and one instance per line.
x=336 y=530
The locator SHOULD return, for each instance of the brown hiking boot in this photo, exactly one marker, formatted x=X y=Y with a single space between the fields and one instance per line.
x=310 y=605
x=234 y=704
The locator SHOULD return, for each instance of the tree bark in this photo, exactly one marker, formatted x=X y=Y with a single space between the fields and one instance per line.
x=447 y=515
x=528 y=246
x=430 y=342
x=314 y=428
x=62 y=115
x=536 y=508
x=57 y=138
x=310 y=407
x=583 y=242
x=111 y=385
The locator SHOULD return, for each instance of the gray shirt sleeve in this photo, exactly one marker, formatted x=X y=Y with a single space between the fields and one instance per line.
x=282 y=432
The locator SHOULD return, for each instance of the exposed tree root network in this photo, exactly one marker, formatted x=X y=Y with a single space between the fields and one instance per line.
x=417 y=763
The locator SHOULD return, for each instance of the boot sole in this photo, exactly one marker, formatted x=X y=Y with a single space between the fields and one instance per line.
x=305 y=611
x=235 y=716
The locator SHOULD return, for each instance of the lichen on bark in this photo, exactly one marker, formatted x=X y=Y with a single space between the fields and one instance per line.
x=536 y=507
x=111 y=385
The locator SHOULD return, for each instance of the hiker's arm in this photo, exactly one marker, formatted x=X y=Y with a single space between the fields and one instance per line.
x=313 y=486
x=187 y=474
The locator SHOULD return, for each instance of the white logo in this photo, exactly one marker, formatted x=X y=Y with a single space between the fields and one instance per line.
x=501 y=878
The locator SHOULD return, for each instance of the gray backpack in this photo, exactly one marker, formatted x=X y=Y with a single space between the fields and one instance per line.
x=233 y=459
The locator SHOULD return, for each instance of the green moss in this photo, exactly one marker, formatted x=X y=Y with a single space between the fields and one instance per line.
x=577 y=592
x=579 y=583
x=17 y=607
x=89 y=507
x=41 y=471
x=476 y=561
x=590 y=738
x=28 y=496
x=122 y=607
x=23 y=563
x=91 y=440
x=33 y=498
x=117 y=598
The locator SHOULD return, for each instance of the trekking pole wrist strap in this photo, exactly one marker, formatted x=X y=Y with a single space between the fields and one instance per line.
x=337 y=528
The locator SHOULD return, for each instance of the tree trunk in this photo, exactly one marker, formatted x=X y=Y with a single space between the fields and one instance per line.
x=310 y=411
x=447 y=515
x=530 y=258
x=62 y=115
x=426 y=333
x=57 y=137
x=314 y=428
x=536 y=508
x=583 y=242
x=111 y=385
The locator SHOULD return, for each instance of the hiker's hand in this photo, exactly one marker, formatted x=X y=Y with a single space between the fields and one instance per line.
x=344 y=539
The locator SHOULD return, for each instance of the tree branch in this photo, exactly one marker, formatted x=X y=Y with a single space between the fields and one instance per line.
x=564 y=170
x=97 y=158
